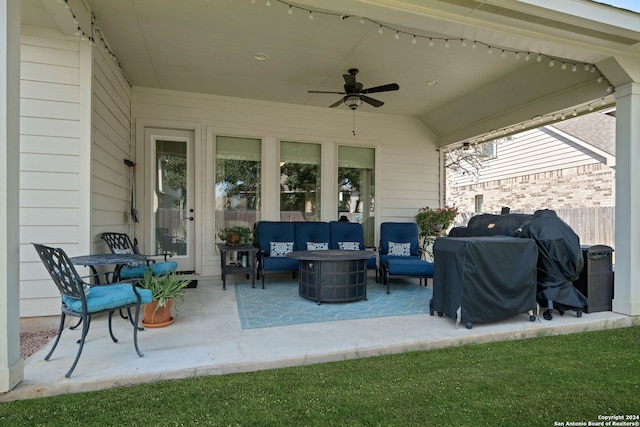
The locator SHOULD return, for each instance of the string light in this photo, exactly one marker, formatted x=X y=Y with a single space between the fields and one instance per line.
x=363 y=20
x=539 y=120
x=91 y=35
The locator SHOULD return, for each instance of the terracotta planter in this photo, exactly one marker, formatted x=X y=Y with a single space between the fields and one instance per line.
x=161 y=317
x=233 y=238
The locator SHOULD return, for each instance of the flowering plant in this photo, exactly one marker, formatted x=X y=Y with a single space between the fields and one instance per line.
x=432 y=221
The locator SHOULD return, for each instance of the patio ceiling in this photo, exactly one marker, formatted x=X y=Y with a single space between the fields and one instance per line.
x=457 y=91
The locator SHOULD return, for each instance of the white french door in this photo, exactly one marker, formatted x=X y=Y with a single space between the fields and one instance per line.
x=169 y=195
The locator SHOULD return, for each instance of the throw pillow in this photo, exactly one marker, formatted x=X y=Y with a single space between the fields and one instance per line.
x=349 y=246
x=399 y=249
x=321 y=246
x=280 y=249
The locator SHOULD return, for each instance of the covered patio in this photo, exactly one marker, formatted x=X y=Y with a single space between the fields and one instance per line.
x=88 y=84
x=207 y=339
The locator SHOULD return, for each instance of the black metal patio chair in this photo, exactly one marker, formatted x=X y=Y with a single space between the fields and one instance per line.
x=79 y=299
x=120 y=243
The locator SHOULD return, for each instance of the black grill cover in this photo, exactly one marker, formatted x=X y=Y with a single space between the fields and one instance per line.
x=486 y=278
x=559 y=259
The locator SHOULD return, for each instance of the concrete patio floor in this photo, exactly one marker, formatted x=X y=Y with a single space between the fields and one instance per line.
x=207 y=339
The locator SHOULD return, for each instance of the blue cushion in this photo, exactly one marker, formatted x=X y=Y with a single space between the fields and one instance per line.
x=108 y=296
x=273 y=231
x=409 y=267
x=342 y=231
x=312 y=231
x=280 y=264
x=158 y=269
x=399 y=232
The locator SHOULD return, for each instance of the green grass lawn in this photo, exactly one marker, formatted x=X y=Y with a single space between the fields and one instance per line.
x=534 y=382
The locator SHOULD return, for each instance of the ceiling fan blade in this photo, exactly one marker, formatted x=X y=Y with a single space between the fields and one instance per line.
x=371 y=101
x=326 y=91
x=335 y=104
x=349 y=80
x=383 y=88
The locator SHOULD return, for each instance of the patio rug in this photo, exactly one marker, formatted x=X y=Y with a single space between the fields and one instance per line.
x=280 y=305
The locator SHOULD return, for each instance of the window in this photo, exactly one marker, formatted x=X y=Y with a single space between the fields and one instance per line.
x=489 y=150
x=238 y=175
x=299 y=181
x=478 y=203
x=356 y=188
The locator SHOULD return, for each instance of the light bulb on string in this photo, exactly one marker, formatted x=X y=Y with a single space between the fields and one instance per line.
x=290 y=10
x=397 y=36
x=574 y=68
x=539 y=58
x=446 y=43
x=414 y=40
x=474 y=45
x=310 y=16
x=527 y=57
x=380 y=30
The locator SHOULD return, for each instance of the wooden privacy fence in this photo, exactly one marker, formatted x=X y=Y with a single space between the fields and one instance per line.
x=594 y=226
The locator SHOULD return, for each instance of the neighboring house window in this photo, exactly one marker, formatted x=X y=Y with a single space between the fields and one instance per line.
x=238 y=175
x=478 y=203
x=489 y=150
x=299 y=181
x=356 y=188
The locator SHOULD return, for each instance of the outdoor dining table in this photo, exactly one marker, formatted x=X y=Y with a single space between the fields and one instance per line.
x=119 y=260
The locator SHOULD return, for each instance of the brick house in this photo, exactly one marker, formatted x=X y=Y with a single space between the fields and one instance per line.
x=570 y=164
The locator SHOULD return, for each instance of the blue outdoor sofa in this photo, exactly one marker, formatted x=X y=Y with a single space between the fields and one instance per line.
x=275 y=239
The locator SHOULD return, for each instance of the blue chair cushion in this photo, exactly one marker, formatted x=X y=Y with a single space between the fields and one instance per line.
x=409 y=267
x=158 y=269
x=279 y=264
x=399 y=232
x=108 y=296
x=346 y=232
x=311 y=232
x=273 y=231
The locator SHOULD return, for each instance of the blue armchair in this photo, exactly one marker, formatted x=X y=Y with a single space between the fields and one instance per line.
x=274 y=240
x=403 y=239
x=344 y=234
x=312 y=235
x=399 y=252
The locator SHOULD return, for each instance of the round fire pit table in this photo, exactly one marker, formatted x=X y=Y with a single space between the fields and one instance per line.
x=332 y=275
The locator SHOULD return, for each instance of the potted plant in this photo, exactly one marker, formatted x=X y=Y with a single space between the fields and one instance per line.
x=432 y=223
x=165 y=290
x=238 y=235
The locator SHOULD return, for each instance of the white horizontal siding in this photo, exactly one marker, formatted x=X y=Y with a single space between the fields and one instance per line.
x=529 y=153
x=50 y=156
x=407 y=160
x=111 y=144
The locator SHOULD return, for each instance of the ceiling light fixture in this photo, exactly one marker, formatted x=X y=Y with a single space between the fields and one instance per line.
x=353 y=102
x=259 y=56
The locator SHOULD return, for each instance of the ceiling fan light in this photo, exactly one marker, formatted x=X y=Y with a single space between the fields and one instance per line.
x=353 y=102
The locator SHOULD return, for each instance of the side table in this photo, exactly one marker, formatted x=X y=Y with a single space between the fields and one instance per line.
x=247 y=267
